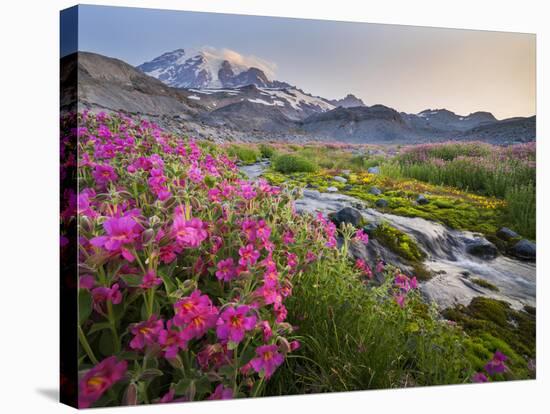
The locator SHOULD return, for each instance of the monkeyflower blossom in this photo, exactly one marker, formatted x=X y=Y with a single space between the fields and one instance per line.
x=221 y=393
x=267 y=332
x=121 y=234
x=234 y=322
x=169 y=397
x=262 y=230
x=291 y=260
x=214 y=356
x=196 y=314
x=400 y=300
x=150 y=280
x=479 y=377
x=380 y=267
x=99 y=379
x=249 y=229
x=226 y=270
x=497 y=364
x=188 y=233
x=171 y=341
x=310 y=257
x=362 y=236
x=104 y=174
x=249 y=255
x=288 y=237
x=247 y=191
x=103 y=294
x=267 y=360
x=146 y=333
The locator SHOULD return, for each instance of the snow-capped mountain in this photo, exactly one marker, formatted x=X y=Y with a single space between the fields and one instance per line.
x=207 y=68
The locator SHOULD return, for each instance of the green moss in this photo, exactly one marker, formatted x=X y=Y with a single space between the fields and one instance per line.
x=494 y=325
x=399 y=242
x=245 y=154
x=288 y=163
x=485 y=284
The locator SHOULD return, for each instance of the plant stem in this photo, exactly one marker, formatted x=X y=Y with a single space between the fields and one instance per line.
x=86 y=345
x=112 y=322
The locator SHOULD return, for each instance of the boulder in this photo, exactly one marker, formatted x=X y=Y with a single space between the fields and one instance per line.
x=370 y=228
x=347 y=215
x=375 y=191
x=381 y=203
x=421 y=199
x=524 y=249
x=505 y=233
x=346 y=172
x=309 y=185
x=374 y=170
x=332 y=190
x=482 y=248
x=340 y=179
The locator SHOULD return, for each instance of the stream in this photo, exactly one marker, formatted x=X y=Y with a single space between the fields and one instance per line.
x=446 y=253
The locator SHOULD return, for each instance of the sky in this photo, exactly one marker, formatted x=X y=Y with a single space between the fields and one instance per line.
x=408 y=68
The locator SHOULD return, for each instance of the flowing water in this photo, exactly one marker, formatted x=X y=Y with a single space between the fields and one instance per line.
x=446 y=253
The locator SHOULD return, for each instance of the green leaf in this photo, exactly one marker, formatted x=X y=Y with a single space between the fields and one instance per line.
x=132 y=280
x=84 y=305
x=99 y=327
x=150 y=373
x=106 y=343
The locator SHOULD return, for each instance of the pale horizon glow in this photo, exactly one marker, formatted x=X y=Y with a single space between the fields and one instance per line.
x=408 y=68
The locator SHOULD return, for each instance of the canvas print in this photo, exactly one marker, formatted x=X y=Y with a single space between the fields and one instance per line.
x=257 y=206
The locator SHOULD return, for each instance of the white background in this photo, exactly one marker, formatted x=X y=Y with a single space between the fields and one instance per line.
x=29 y=60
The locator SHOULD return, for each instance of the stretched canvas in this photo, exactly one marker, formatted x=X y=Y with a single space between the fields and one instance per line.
x=258 y=206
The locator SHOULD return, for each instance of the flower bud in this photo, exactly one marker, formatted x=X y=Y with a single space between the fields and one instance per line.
x=147 y=236
x=130 y=396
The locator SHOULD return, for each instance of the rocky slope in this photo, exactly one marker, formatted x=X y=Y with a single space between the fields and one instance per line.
x=261 y=109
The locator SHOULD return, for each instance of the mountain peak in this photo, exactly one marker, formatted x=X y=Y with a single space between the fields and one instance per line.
x=208 y=68
x=349 y=101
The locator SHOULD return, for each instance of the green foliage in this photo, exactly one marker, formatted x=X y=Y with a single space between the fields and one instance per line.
x=485 y=284
x=494 y=325
x=267 y=151
x=245 y=154
x=521 y=209
x=288 y=163
x=357 y=338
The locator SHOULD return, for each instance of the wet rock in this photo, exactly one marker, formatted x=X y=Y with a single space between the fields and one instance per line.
x=347 y=215
x=524 y=249
x=481 y=248
x=348 y=187
x=346 y=172
x=422 y=200
x=375 y=191
x=332 y=190
x=381 y=203
x=340 y=179
x=309 y=185
x=370 y=228
x=505 y=233
x=374 y=170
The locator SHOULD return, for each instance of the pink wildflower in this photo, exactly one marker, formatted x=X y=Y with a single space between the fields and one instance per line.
x=221 y=393
x=146 y=333
x=121 y=234
x=99 y=379
x=497 y=364
x=249 y=255
x=479 y=377
x=188 y=233
x=267 y=360
x=226 y=270
x=104 y=174
x=234 y=322
x=150 y=280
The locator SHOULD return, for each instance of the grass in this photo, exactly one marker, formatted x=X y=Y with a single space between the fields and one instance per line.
x=245 y=154
x=356 y=338
x=288 y=163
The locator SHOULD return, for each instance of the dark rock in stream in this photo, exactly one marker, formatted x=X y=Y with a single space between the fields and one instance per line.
x=370 y=228
x=347 y=215
x=374 y=170
x=481 y=248
x=422 y=200
x=375 y=191
x=382 y=203
x=524 y=249
x=505 y=233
